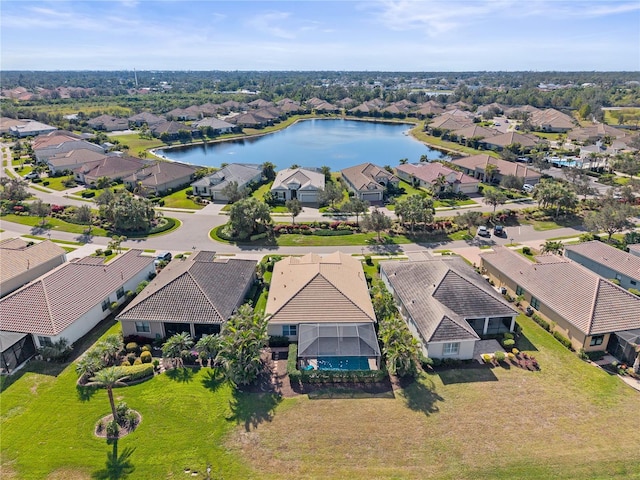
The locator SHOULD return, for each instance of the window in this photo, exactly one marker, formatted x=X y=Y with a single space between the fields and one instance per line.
x=596 y=340
x=451 y=348
x=519 y=290
x=143 y=327
x=633 y=282
x=45 y=341
x=105 y=305
x=289 y=330
x=120 y=293
x=535 y=303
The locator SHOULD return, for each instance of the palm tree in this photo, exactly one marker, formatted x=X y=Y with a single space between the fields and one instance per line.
x=489 y=171
x=89 y=364
x=109 y=378
x=438 y=184
x=175 y=345
x=551 y=246
x=208 y=345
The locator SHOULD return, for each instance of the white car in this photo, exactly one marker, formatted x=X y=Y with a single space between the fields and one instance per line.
x=483 y=231
x=31 y=175
x=527 y=187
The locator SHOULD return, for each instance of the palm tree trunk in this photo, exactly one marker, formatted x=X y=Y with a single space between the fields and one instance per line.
x=113 y=405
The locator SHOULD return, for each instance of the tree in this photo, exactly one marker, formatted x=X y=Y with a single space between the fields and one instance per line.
x=400 y=347
x=357 y=207
x=242 y=340
x=331 y=194
x=424 y=158
x=208 y=346
x=404 y=161
x=89 y=364
x=40 y=209
x=105 y=202
x=13 y=189
x=489 y=171
x=326 y=171
x=439 y=183
x=415 y=209
x=233 y=193
x=377 y=222
x=247 y=217
x=579 y=180
x=175 y=346
x=495 y=197
x=470 y=218
x=83 y=215
x=612 y=217
x=550 y=194
x=103 y=182
x=512 y=182
x=109 y=378
x=268 y=171
x=132 y=214
x=116 y=243
x=294 y=207
x=551 y=246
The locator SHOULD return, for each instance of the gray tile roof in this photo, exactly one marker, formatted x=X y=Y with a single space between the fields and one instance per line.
x=608 y=256
x=306 y=179
x=440 y=293
x=55 y=301
x=234 y=172
x=364 y=176
x=590 y=303
x=196 y=290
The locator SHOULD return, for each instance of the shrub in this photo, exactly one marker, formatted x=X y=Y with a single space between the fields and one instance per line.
x=332 y=233
x=292 y=363
x=141 y=286
x=145 y=348
x=112 y=429
x=88 y=194
x=368 y=260
x=426 y=362
x=121 y=410
x=278 y=341
x=131 y=347
x=486 y=357
x=125 y=363
x=508 y=336
x=45 y=183
x=563 y=340
x=634 y=291
x=137 y=361
x=499 y=356
x=137 y=372
x=508 y=343
x=146 y=357
x=540 y=321
x=526 y=250
x=155 y=363
x=113 y=305
x=189 y=191
x=515 y=351
x=582 y=355
x=98 y=252
x=437 y=362
x=108 y=252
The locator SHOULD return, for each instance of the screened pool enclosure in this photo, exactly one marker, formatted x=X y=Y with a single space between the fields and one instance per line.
x=338 y=346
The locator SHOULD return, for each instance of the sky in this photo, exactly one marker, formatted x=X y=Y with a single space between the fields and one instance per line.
x=390 y=35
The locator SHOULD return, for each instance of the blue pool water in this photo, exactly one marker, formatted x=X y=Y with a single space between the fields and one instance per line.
x=314 y=143
x=343 y=363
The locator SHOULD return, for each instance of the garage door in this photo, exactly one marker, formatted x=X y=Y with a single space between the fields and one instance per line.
x=307 y=197
x=372 y=197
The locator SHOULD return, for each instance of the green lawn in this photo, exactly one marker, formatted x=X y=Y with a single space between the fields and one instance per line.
x=53 y=224
x=138 y=145
x=179 y=200
x=56 y=183
x=28 y=168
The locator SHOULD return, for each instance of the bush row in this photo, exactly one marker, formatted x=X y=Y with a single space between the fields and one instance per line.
x=138 y=372
x=332 y=233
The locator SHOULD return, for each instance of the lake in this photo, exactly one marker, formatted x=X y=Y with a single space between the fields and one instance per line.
x=313 y=143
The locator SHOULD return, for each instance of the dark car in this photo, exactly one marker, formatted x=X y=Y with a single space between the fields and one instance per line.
x=499 y=231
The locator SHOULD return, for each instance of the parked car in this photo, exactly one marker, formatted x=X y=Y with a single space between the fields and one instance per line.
x=499 y=231
x=162 y=257
x=483 y=231
x=31 y=175
x=527 y=187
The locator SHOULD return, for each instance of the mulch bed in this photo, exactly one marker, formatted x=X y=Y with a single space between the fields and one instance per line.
x=122 y=432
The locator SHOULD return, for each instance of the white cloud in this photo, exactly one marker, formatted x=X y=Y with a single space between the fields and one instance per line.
x=272 y=24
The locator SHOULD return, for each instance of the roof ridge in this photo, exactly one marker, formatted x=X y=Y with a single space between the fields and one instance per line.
x=594 y=304
x=49 y=312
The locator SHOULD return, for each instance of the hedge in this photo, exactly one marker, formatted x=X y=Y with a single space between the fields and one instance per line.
x=88 y=194
x=167 y=224
x=138 y=372
x=331 y=233
x=292 y=363
x=258 y=236
x=540 y=321
x=342 y=376
x=563 y=340
x=278 y=341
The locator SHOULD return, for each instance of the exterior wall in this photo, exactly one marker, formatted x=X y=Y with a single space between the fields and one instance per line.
x=165 y=186
x=559 y=323
x=276 y=329
x=30 y=133
x=603 y=270
x=30 y=275
x=434 y=350
x=129 y=328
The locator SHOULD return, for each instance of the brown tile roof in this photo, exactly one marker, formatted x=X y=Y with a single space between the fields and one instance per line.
x=171 y=128
x=590 y=303
x=504 y=167
x=161 y=173
x=75 y=157
x=16 y=257
x=449 y=122
x=55 y=301
x=429 y=171
x=314 y=289
x=608 y=256
x=53 y=139
x=199 y=290
x=364 y=175
x=599 y=130
x=111 y=167
x=510 y=138
x=551 y=117
x=476 y=131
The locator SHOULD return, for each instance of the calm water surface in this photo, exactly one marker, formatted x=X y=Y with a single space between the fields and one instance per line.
x=314 y=143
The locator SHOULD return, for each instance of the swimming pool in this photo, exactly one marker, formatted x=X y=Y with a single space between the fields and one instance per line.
x=343 y=363
x=562 y=162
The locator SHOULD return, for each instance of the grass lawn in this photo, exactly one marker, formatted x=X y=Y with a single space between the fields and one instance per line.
x=138 y=145
x=53 y=224
x=461 y=424
x=179 y=200
x=452 y=203
x=57 y=183
x=548 y=135
x=24 y=170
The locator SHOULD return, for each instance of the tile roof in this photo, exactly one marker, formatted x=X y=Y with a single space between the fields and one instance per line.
x=55 y=301
x=476 y=131
x=634 y=249
x=510 y=138
x=214 y=123
x=161 y=173
x=314 y=289
x=16 y=257
x=551 y=117
x=111 y=167
x=504 y=167
x=53 y=139
x=429 y=171
x=449 y=122
x=308 y=179
x=200 y=289
x=364 y=176
x=75 y=157
x=242 y=173
x=146 y=117
x=169 y=127
x=440 y=293
x=590 y=303
x=608 y=256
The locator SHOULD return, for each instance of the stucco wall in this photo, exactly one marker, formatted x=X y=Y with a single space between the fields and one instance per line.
x=603 y=270
x=434 y=350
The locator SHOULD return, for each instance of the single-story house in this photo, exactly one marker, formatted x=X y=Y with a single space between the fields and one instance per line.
x=145 y=117
x=182 y=114
x=323 y=303
x=447 y=305
x=112 y=167
x=73 y=159
x=551 y=120
x=595 y=132
x=475 y=166
x=298 y=183
x=474 y=131
x=108 y=123
x=499 y=142
x=72 y=299
x=196 y=295
x=218 y=126
x=425 y=175
x=260 y=103
x=56 y=143
x=6 y=123
x=30 y=128
x=251 y=120
x=158 y=177
x=368 y=181
x=607 y=261
x=213 y=185
x=21 y=263
x=582 y=306
x=172 y=130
